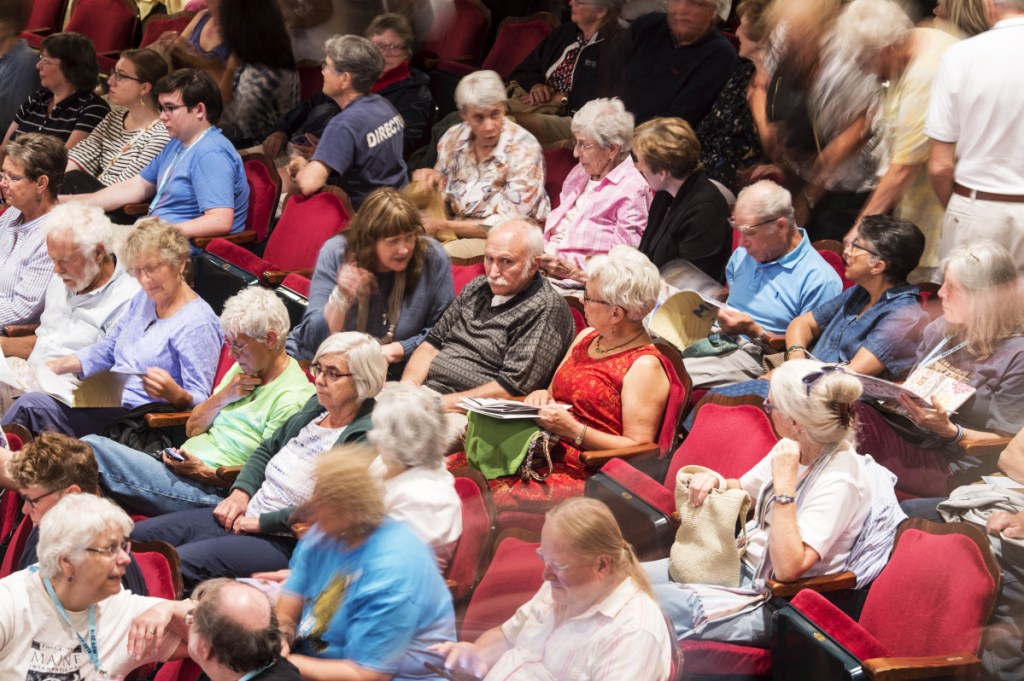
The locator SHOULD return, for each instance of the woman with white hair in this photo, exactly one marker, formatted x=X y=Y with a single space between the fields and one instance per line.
x=811 y=494
x=604 y=199
x=349 y=369
x=261 y=390
x=612 y=376
x=488 y=169
x=409 y=434
x=68 y=617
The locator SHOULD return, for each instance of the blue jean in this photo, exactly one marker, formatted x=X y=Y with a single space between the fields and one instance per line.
x=144 y=485
x=39 y=412
x=207 y=550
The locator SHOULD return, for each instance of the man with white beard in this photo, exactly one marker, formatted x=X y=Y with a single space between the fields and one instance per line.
x=85 y=298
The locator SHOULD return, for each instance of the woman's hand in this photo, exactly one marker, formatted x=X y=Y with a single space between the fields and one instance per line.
x=353 y=280
x=558 y=421
x=1009 y=525
x=560 y=268
x=394 y=352
x=274 y=143
x=539 y=398
x=538 y=94
x=785 y=467
x=700 y=487
x=434 y=225
x=160 y=385
x=191 y=467
x=936 y=420
x=148 y=630
x=461 y=656
x=429 y=176
x=233 y=506
x=241 y=386
x=246 y=525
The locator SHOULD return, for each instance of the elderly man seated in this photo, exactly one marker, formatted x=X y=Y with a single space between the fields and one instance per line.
x=774 y=276
x=197 y=182
x=504 y=334
x=256 y=396
x=85 y=298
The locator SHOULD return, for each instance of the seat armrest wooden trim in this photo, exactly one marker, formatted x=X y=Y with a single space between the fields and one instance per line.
x=19 y=330
x=247 y=236
x=167 y=419
x=599 y=457
x=987 y=448
x=228 y=473
x=906 y=668
x=838 y=582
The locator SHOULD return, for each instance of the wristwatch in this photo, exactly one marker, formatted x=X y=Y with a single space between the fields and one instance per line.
x=783 y=499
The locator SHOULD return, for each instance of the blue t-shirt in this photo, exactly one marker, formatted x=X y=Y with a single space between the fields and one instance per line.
x=776 y=292
x=362 y=145
x=379 y=605
x=890 y=329
x=208 y=174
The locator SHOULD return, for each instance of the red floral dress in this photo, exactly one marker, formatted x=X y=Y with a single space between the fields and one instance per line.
x=594 y=389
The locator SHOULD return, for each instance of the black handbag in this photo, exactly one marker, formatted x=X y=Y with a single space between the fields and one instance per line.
x=650 y=531
x=131 y=429
x=802 y=652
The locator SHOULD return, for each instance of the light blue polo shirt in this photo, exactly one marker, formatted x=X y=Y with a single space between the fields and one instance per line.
x=773 y=293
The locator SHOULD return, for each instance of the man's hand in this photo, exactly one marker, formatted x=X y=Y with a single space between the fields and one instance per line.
x=734 y=322
x=1009 y=525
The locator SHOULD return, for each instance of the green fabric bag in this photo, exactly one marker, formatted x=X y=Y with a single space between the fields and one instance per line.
x=498 y=447
x=712 y=346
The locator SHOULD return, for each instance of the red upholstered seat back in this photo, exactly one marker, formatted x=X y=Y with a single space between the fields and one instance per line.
x=263 y=197
x=728 y=440
x=45 y=14
x=224 y=362
x=836 y=261
x=557 y=165
x=933 y=597
x=514 y=43
x=463 y=274
x=109 y=23
x=677 y=399
x=306 y=223
x=463 y=40
x=17 y=545
x=297 y=283
x=515 y=574
x=157 y=573
x=157 y=24
x=476 y=525
x=178 y=670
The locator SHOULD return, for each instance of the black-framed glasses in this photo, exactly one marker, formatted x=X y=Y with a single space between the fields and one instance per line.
x=747 y=230
x=32 y=502
x=330 y=373
x=111 y=551
x=169 y=109
x=856 y=245
x=121 y=75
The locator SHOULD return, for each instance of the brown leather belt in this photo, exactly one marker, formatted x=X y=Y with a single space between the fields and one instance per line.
x=986 y=196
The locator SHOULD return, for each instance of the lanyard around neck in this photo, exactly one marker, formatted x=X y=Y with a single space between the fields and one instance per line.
x=178 y=157
x=934 y=355
x=90 y=647
x=256 y=672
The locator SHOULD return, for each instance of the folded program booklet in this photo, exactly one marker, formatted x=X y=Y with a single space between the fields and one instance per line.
x=100 y=390
x=502 y=409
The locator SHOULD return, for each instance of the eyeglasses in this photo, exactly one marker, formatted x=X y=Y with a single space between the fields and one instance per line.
x=558 y=568
x=237 y=348
x=330 y=373
x=32 y=502
x=393 y=47
x=46 y=61
x=148 y=270
x=588 y=299
x=812 y=378
x=11 y=179
x=851 y=245
x=768 y=405
x=121 y=75
x=748 y=230
x=111 y=551
x=169 y=109
x=584 y=147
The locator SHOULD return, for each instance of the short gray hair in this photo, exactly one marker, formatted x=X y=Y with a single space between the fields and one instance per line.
x=481 y=89
x=254 y=311
x=365 y=357
x=68 y=529
x=765 y=199
x=529 y=232
x=626 y=278
x=409 y=426
x=866 y=27
x=607 y=123
x=358 y=57
x=86 y=226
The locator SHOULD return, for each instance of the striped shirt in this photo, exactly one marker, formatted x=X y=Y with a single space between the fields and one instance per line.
x=25 y=268
x=80 y=111
x=112 y=154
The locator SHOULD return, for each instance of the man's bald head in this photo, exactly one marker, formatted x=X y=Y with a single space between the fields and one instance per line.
x=237 y=625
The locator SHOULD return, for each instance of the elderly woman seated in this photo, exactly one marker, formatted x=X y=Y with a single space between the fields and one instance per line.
x=167 y=342
x=409 y=429
x=612 y=376
x=488 y=169
x=73 y=607
x=262 y=390
x=364 y=599
x=604 y=199
x=382 y=276
x=812 y=497
x=349 y=370
x=595 y=600
x=688 y=217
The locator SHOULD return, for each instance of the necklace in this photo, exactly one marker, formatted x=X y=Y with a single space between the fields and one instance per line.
x=604 y=351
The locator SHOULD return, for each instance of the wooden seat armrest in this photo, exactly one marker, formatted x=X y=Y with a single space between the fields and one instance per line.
x=228 y=473
x=837 y=582
x=167 y=419
x=244 y=237
x=275 y=277
x=936 y=666
x=300 y=529
x=136 y=209
x=16 y=330
x=599 y=457
x=453 y=586
x=987 y=448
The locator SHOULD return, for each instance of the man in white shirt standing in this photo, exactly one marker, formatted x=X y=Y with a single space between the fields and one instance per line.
x=977 y=142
